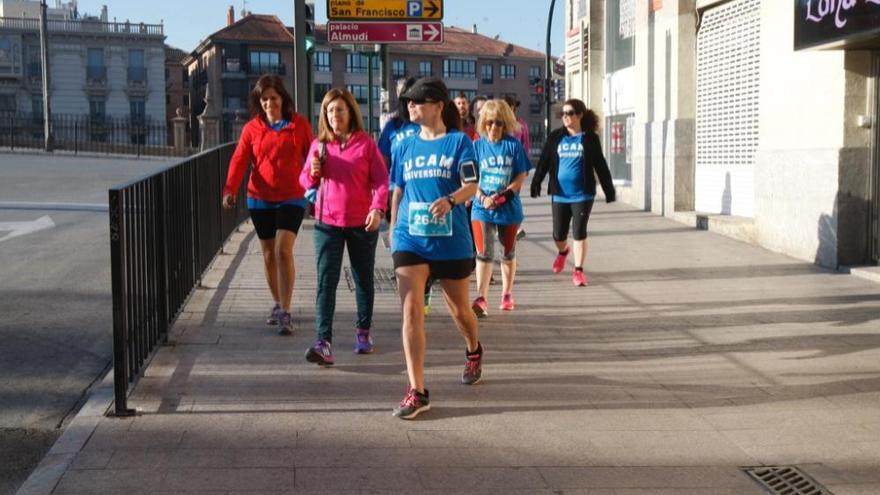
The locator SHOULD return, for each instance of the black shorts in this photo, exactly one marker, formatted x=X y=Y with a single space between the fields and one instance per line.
x=440 y=269
x=574 y=215
x=268 y=220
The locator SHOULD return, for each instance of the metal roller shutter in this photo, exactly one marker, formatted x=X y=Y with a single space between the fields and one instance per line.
x=728 y=76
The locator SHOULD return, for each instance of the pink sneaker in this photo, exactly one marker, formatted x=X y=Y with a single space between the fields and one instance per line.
x=480 y=307
x=507 y=302
x=559 y=262
x=579 y=278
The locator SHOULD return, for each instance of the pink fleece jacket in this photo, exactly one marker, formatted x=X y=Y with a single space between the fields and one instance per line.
x=355 y=181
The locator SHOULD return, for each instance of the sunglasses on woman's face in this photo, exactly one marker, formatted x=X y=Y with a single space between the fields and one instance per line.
x=568 y=113
x=496 y=123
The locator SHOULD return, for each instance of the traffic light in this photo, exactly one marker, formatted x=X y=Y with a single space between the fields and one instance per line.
x=558 y=89
x=310 y=26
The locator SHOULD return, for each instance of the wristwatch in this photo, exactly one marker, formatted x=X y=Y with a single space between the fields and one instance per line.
x=451 y=199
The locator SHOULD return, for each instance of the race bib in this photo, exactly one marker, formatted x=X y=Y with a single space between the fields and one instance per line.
x=493 y=179
x=423 y=224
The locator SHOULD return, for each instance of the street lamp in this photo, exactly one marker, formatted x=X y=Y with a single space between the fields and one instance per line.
x=546 y=81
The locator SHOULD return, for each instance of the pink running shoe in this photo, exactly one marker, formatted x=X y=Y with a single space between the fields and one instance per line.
x=559 y=262
x=507 y=302
x=579 y=278
x=480 y=307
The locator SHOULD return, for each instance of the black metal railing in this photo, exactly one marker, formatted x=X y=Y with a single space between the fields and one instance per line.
x=95 y=134
x=165 y=228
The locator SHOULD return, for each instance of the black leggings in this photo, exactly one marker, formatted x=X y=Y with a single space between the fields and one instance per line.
x=575 y=215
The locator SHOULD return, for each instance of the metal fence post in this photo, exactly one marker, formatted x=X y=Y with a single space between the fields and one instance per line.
x=120 y=330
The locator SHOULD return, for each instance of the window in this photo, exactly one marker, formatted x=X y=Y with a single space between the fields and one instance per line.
x=470 y=94
x=185 y=100
x=138 y=120
x=37 y=108
x=95 y=69
x=320 y=90
x=322 y=61
x=425 y=69
x=359 y=91
x=264 y=63
x=619 y=35
x=534 y=74
x=7 y=103
x=398 y=69
x=167 y=99
x=356 y=63
x=136 y=70
x=185 y=77
x=486 y=74
x=136 y=107
x=459 y=69
x=232 y=103
x=97 y=110
x=508 y=71
x=97 y=117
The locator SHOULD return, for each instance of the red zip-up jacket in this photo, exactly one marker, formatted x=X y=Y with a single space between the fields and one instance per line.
x=278 y=158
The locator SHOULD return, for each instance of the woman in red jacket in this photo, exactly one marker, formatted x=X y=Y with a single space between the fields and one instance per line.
x=276 y=140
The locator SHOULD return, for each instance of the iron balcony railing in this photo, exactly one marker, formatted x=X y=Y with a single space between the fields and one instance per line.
x=165 y=228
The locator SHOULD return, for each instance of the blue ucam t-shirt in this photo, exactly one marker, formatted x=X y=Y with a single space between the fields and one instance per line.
x=500 y=163
x=571 y=170
x=426 y=171
x=391 y=136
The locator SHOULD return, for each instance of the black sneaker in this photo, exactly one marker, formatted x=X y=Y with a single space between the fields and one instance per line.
x=473 y=367
x=413 y=404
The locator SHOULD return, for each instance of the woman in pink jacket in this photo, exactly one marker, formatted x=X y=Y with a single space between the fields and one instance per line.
x=352 y=180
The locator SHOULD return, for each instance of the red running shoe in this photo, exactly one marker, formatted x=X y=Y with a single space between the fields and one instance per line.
x=559 y=262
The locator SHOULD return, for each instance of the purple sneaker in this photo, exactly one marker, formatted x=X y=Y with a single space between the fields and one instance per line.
x=285 y=323
x=364 y=343
x=272 y=319
x=320 y=353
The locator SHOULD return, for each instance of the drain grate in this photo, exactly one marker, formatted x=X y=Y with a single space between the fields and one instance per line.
x=383 y=279
x=786 y=480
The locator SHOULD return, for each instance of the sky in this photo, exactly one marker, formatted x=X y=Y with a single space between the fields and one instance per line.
x=521 y=22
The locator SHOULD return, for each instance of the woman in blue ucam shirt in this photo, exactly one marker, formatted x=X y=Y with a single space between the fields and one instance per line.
x=572 y=158
x=434 y=173
x=497 y=208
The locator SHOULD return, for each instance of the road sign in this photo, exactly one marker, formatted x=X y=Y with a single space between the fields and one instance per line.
x=386 y=10
x=384 y=32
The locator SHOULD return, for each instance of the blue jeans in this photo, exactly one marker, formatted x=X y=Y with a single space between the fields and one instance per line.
x=330 y=242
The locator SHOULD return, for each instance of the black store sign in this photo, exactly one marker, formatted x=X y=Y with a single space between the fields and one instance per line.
x=851 y=24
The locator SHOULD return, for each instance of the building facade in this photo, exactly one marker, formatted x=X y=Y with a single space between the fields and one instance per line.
x=228 y=63
x=98 y=70
x=231 y=60
x=711 y=112
x=176 y=89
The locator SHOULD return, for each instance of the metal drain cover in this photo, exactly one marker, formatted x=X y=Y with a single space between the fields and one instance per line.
x=786 y=480
x=383 y=279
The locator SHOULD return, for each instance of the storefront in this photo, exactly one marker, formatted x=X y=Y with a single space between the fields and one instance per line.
x=850 y=25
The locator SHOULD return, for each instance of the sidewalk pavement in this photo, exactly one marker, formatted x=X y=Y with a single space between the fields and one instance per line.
x=689 y=356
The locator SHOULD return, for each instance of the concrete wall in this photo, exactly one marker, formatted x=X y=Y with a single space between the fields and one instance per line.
x=812 y=170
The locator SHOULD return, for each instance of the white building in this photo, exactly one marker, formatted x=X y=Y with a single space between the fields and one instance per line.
x=99 y=69
x=758 y=116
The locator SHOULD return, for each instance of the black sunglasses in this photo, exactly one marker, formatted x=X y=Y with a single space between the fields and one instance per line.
x=569 y=113
x=421 y=101
x=498 y=123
